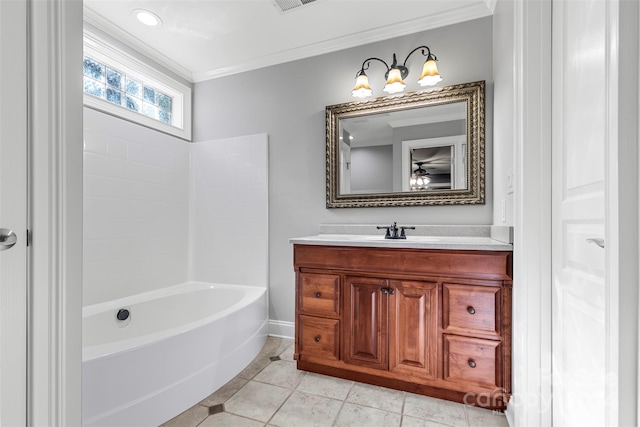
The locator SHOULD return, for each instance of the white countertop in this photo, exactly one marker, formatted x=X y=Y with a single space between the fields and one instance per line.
x=416 y=242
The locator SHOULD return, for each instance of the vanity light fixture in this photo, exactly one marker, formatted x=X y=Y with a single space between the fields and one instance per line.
x=147 y=17
x=396 y=74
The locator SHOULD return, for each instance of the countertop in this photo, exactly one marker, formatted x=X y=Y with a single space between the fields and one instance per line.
x=415 y=242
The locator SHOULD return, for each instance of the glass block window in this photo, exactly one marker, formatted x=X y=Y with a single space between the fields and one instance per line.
x=129 y=86
x=118 y=88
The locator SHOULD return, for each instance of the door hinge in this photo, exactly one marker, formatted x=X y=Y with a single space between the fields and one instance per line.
x=28 y=238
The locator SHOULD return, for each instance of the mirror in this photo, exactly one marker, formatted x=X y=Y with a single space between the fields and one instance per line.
x=414 y=149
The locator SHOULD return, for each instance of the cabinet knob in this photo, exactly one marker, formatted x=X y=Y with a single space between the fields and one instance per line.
x=384 y=290
x=471 y=310
x=391 y=291
x=472 y=363
x=316 y=338
x=317 y=294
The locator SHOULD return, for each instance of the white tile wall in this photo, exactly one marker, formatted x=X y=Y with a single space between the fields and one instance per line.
x=159 y=211
x=136 y=209
x=230 y=226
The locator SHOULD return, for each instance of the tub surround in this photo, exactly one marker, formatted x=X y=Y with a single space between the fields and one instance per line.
x=430 y=314
x=159 y=211
x=230 y=211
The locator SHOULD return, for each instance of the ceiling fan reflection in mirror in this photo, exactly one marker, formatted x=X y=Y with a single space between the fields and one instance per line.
x=419 y=178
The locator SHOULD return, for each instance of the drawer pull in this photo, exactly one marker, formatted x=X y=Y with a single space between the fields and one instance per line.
x=316 y=338
x=471 y=310
x=317 y=294
x=472 y=363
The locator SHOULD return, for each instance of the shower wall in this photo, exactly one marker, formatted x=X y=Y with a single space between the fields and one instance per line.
x=159 y=211
x=230 y=224
x=136 y=208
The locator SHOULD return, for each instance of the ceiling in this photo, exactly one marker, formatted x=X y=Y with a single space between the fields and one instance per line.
x=205 y=39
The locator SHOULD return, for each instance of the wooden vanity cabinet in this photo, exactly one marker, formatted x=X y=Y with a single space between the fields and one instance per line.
x=433 y=322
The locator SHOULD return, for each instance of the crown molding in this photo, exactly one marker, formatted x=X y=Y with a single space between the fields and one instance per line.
x=463 y=13
x=112 y=30
x=491 y=5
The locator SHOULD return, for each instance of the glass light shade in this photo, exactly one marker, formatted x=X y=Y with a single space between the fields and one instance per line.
x=362 y=88
x=395 y=83
x=430 y=74
x=419 y=181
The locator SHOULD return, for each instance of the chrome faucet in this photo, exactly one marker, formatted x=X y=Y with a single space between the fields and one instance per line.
x=395 y=232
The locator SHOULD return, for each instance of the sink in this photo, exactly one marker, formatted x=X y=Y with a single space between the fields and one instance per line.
x=375 y=238
x=425 y=239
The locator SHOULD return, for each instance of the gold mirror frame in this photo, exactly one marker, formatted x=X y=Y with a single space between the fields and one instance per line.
x=474 y=194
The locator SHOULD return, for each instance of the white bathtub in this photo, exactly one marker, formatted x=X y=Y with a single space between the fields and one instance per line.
x=178 y=346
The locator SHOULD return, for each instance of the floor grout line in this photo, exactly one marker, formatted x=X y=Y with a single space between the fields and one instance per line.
x=279 y=407
x=335 y=419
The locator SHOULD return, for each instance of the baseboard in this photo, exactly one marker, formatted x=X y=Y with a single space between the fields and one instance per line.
x=510 y=415
x=278 y=328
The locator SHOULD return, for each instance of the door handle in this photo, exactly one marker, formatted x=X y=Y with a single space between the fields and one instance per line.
x=7 y=239
x=597 y=240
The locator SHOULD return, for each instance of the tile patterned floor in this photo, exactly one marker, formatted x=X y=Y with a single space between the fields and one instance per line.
x=272 y=392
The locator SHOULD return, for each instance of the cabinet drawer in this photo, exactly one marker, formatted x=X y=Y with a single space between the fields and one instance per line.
x=319 y=294
x=318 y=338
x=472 y=360
x=471 y=310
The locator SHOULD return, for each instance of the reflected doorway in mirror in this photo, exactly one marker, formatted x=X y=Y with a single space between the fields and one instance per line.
x=443 y=159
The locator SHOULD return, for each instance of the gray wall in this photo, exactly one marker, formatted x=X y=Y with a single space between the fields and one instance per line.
x=372 y=169
x=504 y=63
x=288 y=102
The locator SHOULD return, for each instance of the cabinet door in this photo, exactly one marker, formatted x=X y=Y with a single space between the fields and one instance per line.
x=413 y=328
x=365 y=326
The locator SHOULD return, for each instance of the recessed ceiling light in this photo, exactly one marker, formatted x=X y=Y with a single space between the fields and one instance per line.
x=147 y=17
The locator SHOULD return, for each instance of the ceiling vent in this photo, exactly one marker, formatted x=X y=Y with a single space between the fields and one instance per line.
x=289 y=5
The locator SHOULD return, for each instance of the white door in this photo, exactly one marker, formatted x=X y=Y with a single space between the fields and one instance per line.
x=583 y=116
x=13 y=213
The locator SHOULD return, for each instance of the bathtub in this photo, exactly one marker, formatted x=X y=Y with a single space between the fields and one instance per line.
x=177 y=346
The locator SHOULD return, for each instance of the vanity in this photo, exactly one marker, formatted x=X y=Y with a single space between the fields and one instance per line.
x=427 y=314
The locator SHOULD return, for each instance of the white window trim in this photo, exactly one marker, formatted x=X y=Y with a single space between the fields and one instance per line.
x=100 y=50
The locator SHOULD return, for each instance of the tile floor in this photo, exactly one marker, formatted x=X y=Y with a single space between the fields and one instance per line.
x=272 y=392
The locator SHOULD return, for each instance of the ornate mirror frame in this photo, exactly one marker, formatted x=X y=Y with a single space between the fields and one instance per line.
x=474 y=193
